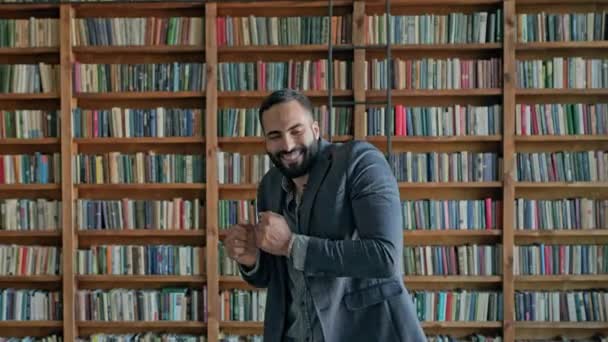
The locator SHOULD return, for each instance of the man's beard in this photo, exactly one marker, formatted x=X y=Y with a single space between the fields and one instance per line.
x=309 y=156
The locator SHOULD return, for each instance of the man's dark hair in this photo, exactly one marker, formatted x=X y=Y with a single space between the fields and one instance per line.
x=281 y=96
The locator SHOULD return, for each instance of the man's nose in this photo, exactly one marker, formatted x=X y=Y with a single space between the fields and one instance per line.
x=288 y=143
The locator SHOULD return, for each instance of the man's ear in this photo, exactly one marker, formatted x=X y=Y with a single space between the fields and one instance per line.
x=316 y=130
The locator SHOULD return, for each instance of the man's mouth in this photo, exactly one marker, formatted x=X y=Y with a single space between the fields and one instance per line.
x=292 y=156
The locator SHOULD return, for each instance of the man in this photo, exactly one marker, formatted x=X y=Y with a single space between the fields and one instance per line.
x=329 y=241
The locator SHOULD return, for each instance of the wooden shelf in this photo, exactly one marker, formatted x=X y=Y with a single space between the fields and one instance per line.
x=252 y=328
x=146 y=186
x=586 y=236
x=38 y=282
x=256 y=144
x=439 y=144
x=459 y=185
x=554 y=190
x=451 y=237
x=552 y=330
x=89 y=238
x=260 y=94
x=274 y=49
x=139 y=49
x=183 y=327
x=138 y=281
x=427 y=283
x=234 y=282
x=561 y=282
x=26 y=51
x=28 y=187
x=435 y=47
x=449 y=190
x=29 y=141
x=28 y=96
x=140 y=95
x=405 y=93
x=242 y=328
x=560 y=92
x=237 y=191
x=560 y=138
x=561 y=45
x=140 y=191
x=141 y=140
x=34 y=237
x=30 y=328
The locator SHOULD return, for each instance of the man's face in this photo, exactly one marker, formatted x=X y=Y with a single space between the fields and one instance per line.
x=291 y=138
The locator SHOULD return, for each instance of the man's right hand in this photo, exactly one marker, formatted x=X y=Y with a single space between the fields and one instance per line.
x=240 y=244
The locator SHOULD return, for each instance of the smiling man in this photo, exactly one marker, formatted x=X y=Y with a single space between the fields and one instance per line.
x=329 y=241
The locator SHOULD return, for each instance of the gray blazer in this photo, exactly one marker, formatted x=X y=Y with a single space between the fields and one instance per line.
x=351 y=210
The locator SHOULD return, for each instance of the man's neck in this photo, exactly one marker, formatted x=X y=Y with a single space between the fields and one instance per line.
x=300 y=183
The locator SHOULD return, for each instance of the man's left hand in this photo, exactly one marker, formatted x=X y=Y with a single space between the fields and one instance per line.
x=273 y=234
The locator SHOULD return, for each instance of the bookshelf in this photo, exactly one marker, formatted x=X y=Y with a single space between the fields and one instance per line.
x=223 y=123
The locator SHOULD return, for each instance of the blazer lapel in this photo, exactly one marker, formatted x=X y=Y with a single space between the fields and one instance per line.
x=315 y=179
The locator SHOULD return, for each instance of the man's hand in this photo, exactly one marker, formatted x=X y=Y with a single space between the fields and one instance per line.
x=240 y=244
x=273 y=234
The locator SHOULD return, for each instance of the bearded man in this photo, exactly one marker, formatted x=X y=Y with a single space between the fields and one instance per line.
x=328 y=245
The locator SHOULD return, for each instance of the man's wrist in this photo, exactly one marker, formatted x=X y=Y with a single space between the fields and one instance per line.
x=290 y=245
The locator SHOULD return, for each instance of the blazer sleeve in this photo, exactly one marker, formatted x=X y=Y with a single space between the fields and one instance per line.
x=259 y=276
x=376 y=206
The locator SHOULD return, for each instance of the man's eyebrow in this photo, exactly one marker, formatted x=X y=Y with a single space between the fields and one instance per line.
x=298 y=125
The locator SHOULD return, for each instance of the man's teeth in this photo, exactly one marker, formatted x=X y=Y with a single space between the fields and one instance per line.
x=291 y=156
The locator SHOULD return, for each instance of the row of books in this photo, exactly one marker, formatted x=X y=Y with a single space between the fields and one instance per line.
x=18 y=260
x=563 y=73
x=433 y=73
x=453 y=28
x=561 y=119
x=29 y=78
x=25 y=214
x=561 y=214
x=37 y=168
x=242 y=305
x=303 y=75
x=29 y=124
x=562 y=166
x=30 y=305
x=456 y=27
x=454 y=120
x=464 y=166
x=427 y=74
x=52 y=338
x=244 y=122
x=133 y=123
x=238 y=168
x=167 y=304
x=547 y=259
x=562 y=27
x=140 y=260
x=403 y=120
x=181 y=214
x=565 y=306
x=255 y=30
x=126 y=31
x=140 y=214
x=462 y=305
x=30 y=32
x=231 y=212
x=175 y=76
x=448 y=214
x=141 y=167
x=468 y=260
